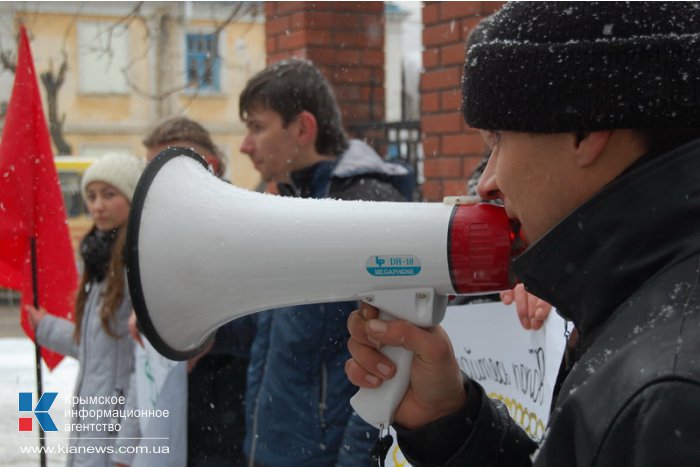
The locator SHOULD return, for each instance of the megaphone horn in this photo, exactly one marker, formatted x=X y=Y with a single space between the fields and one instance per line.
x=201 y=252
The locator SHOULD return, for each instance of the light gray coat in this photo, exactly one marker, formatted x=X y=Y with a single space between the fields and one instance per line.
x=106 y=364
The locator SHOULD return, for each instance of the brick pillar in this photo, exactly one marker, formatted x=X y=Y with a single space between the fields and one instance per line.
x=452 y=149
x=344 y=39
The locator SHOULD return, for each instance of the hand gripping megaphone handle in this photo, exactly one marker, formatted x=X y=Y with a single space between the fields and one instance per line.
x=423 y=307
x=376 y=406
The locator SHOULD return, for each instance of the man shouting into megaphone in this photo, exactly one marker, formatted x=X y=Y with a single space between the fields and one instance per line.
x=591 y=111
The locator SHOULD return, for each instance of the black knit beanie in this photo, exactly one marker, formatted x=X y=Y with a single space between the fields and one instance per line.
x=547 y=67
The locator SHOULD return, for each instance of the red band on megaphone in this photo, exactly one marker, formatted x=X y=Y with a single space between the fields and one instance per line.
x=479 y=249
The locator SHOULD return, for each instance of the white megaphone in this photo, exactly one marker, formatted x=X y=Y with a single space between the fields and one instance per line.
x=201 y=252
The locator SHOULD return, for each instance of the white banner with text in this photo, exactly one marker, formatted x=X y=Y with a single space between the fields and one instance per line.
x=516 y=366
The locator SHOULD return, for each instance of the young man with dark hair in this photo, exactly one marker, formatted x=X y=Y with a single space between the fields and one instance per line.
x=592 y=113
x=298 y=396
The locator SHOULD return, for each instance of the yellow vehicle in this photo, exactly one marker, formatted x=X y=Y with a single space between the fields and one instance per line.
x=70 y=173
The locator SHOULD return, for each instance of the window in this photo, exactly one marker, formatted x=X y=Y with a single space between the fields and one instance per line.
x=203 y=62
x=103 y=55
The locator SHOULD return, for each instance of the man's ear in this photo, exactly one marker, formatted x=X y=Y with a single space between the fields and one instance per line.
x=308 y=128
x=589 y=146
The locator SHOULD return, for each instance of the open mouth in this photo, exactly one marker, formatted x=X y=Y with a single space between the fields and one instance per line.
x=520 y=243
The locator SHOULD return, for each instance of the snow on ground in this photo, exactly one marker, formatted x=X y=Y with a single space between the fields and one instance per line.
x=18 y=375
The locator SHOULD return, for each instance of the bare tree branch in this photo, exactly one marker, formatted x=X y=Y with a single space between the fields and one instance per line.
x=196 y=84
x=113 y=29
x=8 y=60
x=52 y=83
x=135 y=13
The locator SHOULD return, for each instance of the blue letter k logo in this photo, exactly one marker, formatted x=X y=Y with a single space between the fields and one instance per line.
x=41 y=411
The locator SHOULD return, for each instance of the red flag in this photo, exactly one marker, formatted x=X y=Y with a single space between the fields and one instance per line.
x=31 y=204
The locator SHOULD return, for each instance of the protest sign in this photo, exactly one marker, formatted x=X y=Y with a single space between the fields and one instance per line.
x=161 y=385
x=513 y=365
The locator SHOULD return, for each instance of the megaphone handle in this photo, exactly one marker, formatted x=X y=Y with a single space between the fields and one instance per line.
x=376 y=406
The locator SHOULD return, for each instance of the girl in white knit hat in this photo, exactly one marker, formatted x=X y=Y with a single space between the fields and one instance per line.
x=98 y=337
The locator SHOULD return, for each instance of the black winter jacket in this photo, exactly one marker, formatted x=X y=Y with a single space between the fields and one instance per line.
x=625 y=268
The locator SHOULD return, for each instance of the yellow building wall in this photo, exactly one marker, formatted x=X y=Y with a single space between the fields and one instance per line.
x=121 y=121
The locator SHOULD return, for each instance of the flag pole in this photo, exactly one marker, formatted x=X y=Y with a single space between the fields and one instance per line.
x=37 y=351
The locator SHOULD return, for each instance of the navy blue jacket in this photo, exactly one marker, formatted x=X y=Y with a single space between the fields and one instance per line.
x=297 y=399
